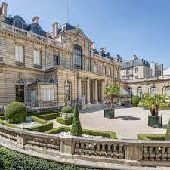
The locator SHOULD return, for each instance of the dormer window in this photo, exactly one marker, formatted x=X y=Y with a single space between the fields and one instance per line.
x=18 y=23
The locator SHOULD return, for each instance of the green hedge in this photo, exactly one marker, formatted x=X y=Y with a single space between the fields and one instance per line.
x=167 y=135
x=67 y=109
x=43 y=127
x=49 y=116
x=59 y=129
x=159 y=137
x=106 y=134
x=3 y=122
x=64 y=121
x=12 y=160
x=135 y=100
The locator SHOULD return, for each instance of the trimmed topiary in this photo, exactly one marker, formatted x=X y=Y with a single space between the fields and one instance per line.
x=15 y=112
x=76 y=129
x=67 y=109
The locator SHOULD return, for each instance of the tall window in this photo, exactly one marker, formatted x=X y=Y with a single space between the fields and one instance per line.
x=153 y=90
x=136 y=70
x=56 y=59
x=47 y=93
x=37 y=57
x=77 y=57
x=19 y=53
x=167 y=90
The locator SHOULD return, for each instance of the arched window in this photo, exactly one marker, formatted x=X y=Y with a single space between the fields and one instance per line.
x=153 y=90
x=77 y=57
x=67 y=90
x=139 y=91
x=167 y=90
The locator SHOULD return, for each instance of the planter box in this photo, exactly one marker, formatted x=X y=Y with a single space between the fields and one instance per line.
x=109 y=113
x=155 y=121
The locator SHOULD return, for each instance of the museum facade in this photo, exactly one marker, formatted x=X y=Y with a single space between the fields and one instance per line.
x=51 y=69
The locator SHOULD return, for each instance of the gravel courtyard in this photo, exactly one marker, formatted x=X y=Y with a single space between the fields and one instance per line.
x=127 y=124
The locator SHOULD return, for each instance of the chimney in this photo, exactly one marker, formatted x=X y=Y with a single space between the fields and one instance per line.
x=55 y=26
x=135 y=57
x=4 y=8
x=35 y=19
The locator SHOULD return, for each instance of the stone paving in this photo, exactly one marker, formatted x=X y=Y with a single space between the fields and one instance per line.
x=127 y=124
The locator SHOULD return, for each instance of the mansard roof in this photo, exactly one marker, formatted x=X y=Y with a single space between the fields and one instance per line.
x=20 y=23
x=134 y=63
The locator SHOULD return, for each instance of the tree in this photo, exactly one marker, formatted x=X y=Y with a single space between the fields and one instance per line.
x=112 y=92
x=76 y=129
x=153 y=102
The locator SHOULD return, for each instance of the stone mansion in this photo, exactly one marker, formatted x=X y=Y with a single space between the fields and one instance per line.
x=51 y=68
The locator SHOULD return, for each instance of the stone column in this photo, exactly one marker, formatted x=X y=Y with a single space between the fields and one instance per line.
x=80 y=89
x=96 y=92
x=88 y=91
x=102 y=91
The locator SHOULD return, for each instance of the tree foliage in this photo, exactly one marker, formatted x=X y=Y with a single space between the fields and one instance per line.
x=15 y=112
x=76 y=129
x=112 y=92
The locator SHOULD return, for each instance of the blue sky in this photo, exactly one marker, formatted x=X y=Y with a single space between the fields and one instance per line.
x=124 y=27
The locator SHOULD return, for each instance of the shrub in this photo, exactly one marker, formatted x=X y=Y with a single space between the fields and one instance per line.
x=158 y=137
x=39 y=120
x=43 y=127
x=58 y=130
x=167 y=135
x=49 y=116
x=76 y=129
x=11 y=160
x=106 y=134
x=64 y=121
x=140 y=104
x=2 y=122
x=135 y=100
x=15 y=112
x=67 y=109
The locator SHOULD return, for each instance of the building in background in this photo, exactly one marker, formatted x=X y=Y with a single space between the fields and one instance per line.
x=138 y=68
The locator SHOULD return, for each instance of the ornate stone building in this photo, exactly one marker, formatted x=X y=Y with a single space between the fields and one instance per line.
x=49 y=69
x=156 y=85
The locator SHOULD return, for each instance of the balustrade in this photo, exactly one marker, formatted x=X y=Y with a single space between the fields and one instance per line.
x=125 y=151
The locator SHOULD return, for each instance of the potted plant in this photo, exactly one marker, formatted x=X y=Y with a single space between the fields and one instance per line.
x=112 y=92
x=152 y=102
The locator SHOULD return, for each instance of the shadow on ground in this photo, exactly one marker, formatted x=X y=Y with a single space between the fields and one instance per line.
x=127 y=118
